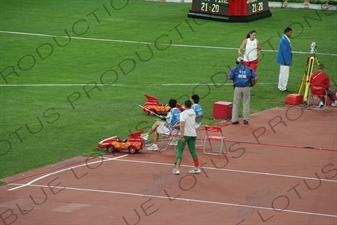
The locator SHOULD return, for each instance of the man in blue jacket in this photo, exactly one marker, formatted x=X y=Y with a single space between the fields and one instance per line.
x=284 y=58
x=243 y=78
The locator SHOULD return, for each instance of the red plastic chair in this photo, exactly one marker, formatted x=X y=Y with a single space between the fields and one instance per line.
x=317 y=93
x=214 y=133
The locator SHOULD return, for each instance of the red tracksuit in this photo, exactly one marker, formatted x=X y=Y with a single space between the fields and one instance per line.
x=321 y=79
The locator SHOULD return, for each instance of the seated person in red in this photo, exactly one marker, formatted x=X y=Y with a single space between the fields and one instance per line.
x=319 y=83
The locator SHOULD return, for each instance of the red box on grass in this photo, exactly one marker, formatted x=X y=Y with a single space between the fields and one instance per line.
x=294 y=99
x=222 y=110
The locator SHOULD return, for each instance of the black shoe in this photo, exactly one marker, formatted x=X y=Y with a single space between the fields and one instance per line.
x=236 y=122
x=245 y=122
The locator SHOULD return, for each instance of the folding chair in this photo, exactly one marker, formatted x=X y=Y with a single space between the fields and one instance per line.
x=214 y=133
x=199 y=137
x=198 y=130
x=174 y=133
x=316 y=95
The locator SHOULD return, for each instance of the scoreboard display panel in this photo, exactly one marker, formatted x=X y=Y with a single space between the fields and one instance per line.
x=256 y=6
x=219 y=7
x=230 y=10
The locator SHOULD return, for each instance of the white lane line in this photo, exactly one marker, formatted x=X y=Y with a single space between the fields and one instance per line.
x=227 y=48
x=56 y=85
x=110 y=40
x=206 y=84
x=119 y=85
x=59 y=171
x=186 y=199
x=168 y=164
x=231 y=170
x=23 y=33
x=149 y=43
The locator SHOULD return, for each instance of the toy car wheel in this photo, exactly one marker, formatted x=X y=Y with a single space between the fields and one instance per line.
x=110 y=148
x=133 y=149
x=151 y=112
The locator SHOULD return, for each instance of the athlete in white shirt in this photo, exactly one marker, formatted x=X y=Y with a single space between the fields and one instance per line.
x=188 y=136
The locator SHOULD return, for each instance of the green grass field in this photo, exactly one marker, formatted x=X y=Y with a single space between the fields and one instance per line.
x=75 y=71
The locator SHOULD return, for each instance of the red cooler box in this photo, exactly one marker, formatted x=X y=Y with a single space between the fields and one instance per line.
x=294 y=99
x=222 y=110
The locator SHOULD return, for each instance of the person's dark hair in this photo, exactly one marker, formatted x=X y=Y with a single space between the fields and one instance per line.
x=172 y=103
x=188 y=104
x=287 y=30
x=321 y=66
x=195 y=98
x=248 y=35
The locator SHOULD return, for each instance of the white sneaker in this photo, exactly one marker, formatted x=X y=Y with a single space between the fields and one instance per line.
x=321 y=104
x=195 y=170
x=334 y=104
x=153 y=147
x=176 y=171
x=145 y=136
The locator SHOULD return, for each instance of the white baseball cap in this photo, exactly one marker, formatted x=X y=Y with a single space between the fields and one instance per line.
x=239 y=59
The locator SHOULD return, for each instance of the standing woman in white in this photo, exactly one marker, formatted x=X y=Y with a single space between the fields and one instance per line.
x=252 y=50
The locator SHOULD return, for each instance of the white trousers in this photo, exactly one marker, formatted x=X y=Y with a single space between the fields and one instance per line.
x=283 y=78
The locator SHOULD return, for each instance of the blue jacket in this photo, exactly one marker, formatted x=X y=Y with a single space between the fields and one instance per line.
x=198 y=111
x=284 y=52
x=241 y=75
x=172 y=117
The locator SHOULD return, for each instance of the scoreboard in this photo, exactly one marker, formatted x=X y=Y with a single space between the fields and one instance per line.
x=230 y=10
